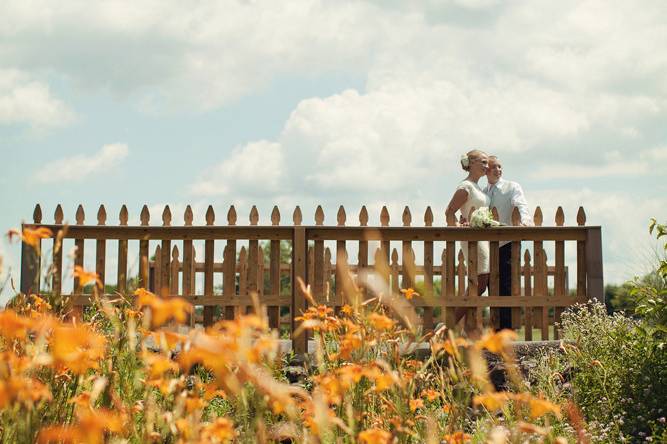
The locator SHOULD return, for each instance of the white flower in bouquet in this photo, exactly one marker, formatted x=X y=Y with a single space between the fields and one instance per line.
x=483 y=218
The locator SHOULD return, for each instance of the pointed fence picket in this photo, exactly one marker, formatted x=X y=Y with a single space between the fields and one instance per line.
x=249 y=261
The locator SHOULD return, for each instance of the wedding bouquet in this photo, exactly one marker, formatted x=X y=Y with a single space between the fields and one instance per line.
x=483 y=218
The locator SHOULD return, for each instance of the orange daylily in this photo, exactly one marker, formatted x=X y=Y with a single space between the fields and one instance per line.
x=449 y=346
x=383 y=382
x=348 y=344
x=540 y=407
x=162 y=310
x=381 y=322
x=457 y=438
x=526 y=427
x=221 y=430
x=77 y=347
x=492 y=401
x=375 y=436
x=416 y=404
x=158 y=365
x=409 y=293
x=90 y=428
x=331 y=387
x=170 y=338
x=430 y=394
x=33 y=236
x=192 y=404
x=23 y=390
x=497 y=342
x=39 y=304
x=86 y=277
x=13 y=326
x=351 y=374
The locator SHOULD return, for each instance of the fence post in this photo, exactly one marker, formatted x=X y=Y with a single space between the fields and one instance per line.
x=299 y=255
x=30 y=265
x=594 y=280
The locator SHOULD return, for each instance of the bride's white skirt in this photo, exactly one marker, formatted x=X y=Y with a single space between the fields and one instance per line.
x=482 y=255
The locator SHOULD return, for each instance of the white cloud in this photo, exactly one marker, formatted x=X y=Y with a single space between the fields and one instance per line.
x=24 y=100
x=76 y=168
x=615 y=165
x=201 y=55
x=256 y=168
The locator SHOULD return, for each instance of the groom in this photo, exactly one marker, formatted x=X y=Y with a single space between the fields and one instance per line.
x=505 y=195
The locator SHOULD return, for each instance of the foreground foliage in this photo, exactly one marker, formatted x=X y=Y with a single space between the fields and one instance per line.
x=127 y=375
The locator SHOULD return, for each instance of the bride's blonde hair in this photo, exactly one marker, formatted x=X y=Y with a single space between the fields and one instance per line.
x=472 y=155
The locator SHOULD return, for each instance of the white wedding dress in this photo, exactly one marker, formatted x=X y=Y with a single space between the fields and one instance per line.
x=476 y=198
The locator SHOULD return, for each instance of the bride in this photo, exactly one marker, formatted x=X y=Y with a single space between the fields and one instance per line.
x=468 y=195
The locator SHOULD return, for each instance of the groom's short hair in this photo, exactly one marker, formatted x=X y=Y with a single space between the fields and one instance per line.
x=493 y=156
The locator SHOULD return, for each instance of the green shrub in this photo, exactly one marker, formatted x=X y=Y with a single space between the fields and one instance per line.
x=619 y=377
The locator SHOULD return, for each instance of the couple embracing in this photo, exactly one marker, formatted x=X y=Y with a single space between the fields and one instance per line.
x=499 y=193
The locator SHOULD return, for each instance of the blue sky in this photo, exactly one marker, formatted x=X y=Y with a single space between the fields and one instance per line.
x=314 y=102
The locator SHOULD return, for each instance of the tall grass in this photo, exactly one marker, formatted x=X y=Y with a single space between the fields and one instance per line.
x=123 y=374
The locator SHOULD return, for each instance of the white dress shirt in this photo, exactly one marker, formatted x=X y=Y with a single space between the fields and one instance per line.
x=505 y=195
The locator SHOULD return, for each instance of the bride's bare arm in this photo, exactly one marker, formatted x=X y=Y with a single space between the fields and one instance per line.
x=458 y=199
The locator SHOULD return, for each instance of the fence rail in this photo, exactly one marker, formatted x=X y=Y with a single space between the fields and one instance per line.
x=188 y=260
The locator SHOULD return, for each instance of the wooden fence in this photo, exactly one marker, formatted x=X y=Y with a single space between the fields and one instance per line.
x=540 y=290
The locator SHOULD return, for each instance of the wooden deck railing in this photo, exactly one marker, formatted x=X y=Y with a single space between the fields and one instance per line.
x=246 y=269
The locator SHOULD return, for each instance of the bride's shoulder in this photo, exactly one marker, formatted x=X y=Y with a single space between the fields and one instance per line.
x=465 y=185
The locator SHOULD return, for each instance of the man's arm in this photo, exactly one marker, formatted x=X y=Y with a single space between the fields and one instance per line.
x=519 y=200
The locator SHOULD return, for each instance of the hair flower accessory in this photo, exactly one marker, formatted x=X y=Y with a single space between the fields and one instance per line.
x=464 y=160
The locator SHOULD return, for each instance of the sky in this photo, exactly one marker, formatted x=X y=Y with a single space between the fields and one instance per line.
x=309 y=102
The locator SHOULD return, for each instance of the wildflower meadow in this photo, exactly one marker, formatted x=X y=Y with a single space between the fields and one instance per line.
x=123 y=371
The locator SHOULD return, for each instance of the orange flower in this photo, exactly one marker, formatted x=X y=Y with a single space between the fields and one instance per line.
x=158 y=365
x=13 y=326
x=347 y=310
x=212 y=391
x=11 y=363
x=86 y=277
x=162 y=310
x=331 y=387
x=40 y=304
x=457 y=438
x=348 y=344
x=60 y=434
x=170 y=338
x=381 y=322
x=221 y=430
x=77 y=348
x=526 y=427
x=184 y=428
x=350 y=374
x=416 y=404
x=23 y=390
x=383 y=382
x=192 y=404
x=492 y=401
x=430 y=394
x=374 y=436
x=451 y=347
x=32 y=237
x=319 y=318
x=497 y=342
x=409 y=293
x=540 y=407
x=90 y=428
x=81 y=400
